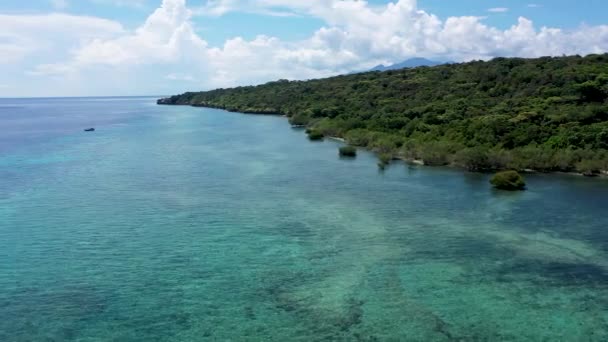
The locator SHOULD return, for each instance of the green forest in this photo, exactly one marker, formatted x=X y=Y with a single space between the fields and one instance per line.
x=545 y=114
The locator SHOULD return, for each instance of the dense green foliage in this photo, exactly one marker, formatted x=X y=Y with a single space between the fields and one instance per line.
x=314 y=134
x=348 y=151
x=508 y=180
x=384 y=159
x=547 y=114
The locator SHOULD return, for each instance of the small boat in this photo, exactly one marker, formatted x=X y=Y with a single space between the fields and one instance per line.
x=90 y=130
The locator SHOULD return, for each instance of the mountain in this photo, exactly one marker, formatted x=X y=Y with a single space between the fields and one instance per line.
x=410 y=63
x=546 y=114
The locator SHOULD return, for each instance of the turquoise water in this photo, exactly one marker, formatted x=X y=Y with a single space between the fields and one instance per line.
x=185 y=224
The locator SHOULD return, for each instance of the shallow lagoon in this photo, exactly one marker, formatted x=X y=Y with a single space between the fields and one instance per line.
x=179 y=223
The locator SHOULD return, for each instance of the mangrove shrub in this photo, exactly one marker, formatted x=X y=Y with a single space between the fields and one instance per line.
x=508 y=180
x=315 y=135
x=348 y=151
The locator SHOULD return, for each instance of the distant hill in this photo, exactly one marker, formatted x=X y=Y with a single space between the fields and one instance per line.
x=546 y=114
x=410 y=63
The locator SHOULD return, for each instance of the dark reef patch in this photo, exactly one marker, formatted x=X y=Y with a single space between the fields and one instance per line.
x=555 y=273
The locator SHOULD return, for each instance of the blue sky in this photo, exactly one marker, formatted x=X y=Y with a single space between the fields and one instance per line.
x=128 y=47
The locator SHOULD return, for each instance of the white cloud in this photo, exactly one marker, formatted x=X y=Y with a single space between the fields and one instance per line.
x=356 y=36
x=180 y=77
x=60 y=4
x=39 y=35
x=534 y=6
x=166 y=37
x=498 y=10
x=139 y=4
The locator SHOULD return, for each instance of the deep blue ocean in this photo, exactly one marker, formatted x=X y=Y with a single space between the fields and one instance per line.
x=192 y=224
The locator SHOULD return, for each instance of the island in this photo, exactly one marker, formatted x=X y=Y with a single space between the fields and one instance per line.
x=544 y=114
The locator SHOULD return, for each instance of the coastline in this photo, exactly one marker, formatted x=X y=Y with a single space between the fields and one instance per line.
x=337 y=139
x=603 y=174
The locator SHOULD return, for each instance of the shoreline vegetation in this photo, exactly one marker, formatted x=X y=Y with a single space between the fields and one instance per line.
x=547 y=114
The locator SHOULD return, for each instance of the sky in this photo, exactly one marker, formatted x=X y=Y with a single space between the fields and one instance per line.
x=162 y=47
